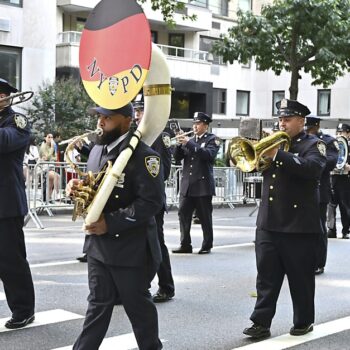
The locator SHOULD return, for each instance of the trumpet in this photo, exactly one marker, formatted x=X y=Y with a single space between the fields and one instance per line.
x=174 y=140
x=16 y=98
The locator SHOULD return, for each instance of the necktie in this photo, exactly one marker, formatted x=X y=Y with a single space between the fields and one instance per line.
x=103 y=155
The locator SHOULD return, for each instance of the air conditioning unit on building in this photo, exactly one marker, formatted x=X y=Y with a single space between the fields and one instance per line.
x=5 y=25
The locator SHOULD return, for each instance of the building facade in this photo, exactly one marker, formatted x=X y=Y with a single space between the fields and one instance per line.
x=39 y=41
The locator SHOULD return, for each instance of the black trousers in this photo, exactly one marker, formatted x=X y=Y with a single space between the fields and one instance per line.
x=279 y=254
x=130 y=284
x=165 y=277
x=204 y=211
x=323 y=238
x=14 y=268
x=341 y=197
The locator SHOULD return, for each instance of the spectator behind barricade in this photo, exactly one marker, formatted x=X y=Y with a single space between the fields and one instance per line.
x=31 y=157
x=75 y=158
x=47 y=154
x=59 y=153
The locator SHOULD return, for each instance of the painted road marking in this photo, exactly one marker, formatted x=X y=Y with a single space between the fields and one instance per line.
x=120 y=342
x=44 y=318
x=287 y=341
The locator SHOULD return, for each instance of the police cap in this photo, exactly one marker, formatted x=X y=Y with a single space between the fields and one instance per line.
x=6 y=87
x=201 y=117
x=291 y=108
x=138 y=102
x=126 y=111
x=312 y=120
x=343 y=127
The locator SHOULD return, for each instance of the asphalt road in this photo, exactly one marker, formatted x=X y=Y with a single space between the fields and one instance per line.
x=214 y=293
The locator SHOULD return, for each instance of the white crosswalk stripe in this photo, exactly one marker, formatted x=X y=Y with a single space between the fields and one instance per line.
x=120 y=342
x=44 y=318
x=287 y=341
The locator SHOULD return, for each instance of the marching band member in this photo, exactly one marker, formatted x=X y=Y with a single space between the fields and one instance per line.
x=14 y=268
x=122 y=248
x=288 y=225
x=312 y=127
x=197 y=182
x=161 y=145
x=340 y=182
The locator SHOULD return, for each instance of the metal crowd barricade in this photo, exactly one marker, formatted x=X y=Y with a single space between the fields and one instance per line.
x=46 y=182
x=45 y=188
x=229 y=186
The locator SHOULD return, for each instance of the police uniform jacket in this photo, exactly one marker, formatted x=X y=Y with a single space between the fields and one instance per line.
x=129 y=212
x=332 y=158
x=290 y=196
x=198 y=160
x=14 y=138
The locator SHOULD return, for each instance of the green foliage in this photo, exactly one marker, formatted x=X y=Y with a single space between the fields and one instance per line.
x=291 y=35
x=61 y=106
x=168 y=8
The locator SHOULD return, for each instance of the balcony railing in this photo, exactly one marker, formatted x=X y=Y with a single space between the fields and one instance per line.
x=73 y=38
x=186 y=54
x=69 y=37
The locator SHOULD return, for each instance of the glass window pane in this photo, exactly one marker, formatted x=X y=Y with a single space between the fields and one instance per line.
x=10 y=66
x=201 y=3
x=219 y=101
x=245 y=5
x=324 y=102
x=11 y=2
x=219 y=7
x=276 y=96
x=177 y=40
x=242 y=103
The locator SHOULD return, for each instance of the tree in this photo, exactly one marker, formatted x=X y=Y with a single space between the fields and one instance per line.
x=293 y=35
x=168 y=8
x=61 y=106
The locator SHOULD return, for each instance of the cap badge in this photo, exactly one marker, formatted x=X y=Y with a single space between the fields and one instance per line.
x=284 y=103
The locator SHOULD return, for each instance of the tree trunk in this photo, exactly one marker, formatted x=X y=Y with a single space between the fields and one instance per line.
x=294 y=83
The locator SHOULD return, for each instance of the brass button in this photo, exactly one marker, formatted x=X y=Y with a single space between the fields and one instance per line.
x=116 y=196
x=190 y=173
x=271 y=187
x=295 y=206
x=273 y=175
x=117 y=235
x=270 y=199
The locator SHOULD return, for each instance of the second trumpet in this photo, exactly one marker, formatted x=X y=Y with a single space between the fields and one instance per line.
x=174 y=140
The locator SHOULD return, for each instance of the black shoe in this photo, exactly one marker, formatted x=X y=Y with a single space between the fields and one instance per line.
x=182 y=249
x=82 y=258
x=256 y=331
x=331 y=234
x=345 y=236
x=161 y=297
x=302 y=330
x=319 y=271
x=204 y=251
x=15 y=323
x=196 y=221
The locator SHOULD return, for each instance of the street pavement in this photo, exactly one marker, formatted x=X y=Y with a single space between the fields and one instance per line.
x=215 y=293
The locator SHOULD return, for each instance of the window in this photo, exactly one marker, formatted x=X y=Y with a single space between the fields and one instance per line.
x=10 y=65
x=245 y=5
x=177 y=40
x=324 y=102
x=276 y=96
x=219 y=101
x=154 y=36
x=201 y=3
x=205 y=44
x=11 y=2
x=80 y=24
x=219 y=7
x=242 y=102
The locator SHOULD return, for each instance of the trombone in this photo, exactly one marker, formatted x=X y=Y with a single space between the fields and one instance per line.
x=16 y=98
